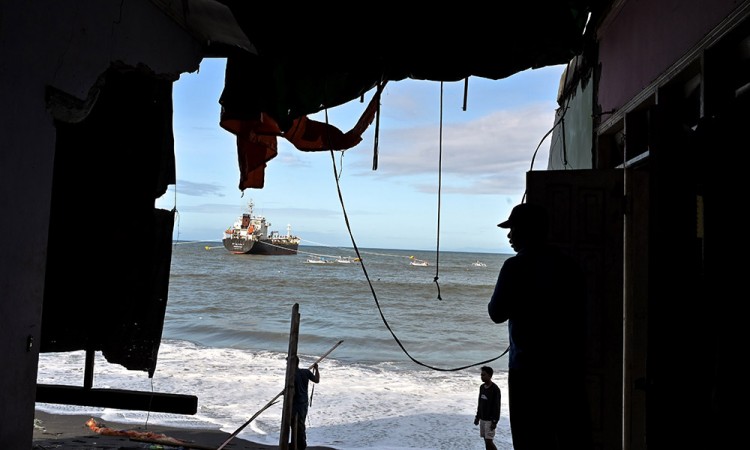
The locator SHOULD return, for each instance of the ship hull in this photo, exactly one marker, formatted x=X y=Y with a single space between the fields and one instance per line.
x=274 y=248
x=242 y=246
x=238 y=245
x=251 y=235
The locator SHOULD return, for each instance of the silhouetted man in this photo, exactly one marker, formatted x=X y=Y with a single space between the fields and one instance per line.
x=541 y=293
x=302 y=377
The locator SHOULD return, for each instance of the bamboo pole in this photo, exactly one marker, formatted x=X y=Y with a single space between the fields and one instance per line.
x=272 y=402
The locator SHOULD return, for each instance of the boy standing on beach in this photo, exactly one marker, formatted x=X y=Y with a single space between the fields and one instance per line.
x=488 y=408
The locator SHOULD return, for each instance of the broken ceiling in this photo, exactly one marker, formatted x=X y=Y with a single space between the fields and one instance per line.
x=286 y=62
x=308 y=57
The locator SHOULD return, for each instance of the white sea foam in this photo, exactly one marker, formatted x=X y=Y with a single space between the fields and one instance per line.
x=355 y=406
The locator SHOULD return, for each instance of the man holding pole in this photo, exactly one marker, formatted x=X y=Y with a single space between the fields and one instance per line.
x=302 y=378
x=273 y=401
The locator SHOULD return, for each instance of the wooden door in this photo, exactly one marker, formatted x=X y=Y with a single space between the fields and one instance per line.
x=586 y=210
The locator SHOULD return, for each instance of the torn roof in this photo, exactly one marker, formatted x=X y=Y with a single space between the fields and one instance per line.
x=287 y=62
x=299 y=59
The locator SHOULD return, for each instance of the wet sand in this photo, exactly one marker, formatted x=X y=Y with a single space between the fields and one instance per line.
x=70 y=432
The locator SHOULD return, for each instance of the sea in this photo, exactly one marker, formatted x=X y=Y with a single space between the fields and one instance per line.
x=402 y=346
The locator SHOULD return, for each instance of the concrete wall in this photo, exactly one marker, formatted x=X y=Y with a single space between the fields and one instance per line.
x=66 y=45
x=571 y=143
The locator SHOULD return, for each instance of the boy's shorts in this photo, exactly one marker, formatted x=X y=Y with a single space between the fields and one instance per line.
x=485 y=429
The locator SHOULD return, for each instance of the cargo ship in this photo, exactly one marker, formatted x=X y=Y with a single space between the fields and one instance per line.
x=250 y=235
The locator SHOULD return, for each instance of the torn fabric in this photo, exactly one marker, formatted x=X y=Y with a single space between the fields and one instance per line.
x=257 y=144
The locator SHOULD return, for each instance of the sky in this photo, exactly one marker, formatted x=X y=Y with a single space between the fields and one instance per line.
x=445 y=177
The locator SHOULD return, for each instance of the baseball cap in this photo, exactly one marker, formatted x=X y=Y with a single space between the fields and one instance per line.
x=526 y=215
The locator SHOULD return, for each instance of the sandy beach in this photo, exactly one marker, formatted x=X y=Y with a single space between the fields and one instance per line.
x=70 y=432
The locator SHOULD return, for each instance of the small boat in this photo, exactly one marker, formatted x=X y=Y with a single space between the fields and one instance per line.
x=315 y=260
x=250 y=235
x=418 y=262
x=478 y=264
x=346 y=260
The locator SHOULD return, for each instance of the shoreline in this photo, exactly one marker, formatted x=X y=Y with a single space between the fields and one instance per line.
x=70 y=432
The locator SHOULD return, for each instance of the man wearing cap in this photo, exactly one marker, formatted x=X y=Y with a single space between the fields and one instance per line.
x=541 y=293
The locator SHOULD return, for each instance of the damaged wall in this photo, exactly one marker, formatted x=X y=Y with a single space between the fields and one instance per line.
x=66 y=46
x=665 y=30
x=109 y=168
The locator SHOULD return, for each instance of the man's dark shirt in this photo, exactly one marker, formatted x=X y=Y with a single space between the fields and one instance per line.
x=541 y=293
x=301 y=380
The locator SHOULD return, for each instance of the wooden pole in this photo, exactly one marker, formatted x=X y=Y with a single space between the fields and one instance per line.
x=271 y=403
x=88 y=374
x=292 y=361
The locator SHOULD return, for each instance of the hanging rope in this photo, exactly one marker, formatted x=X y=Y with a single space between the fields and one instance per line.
x=369 y=281
x=377 y=135
x=466 y=92
x=440 y=186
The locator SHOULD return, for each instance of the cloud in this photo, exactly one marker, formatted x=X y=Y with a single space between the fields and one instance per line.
x=194 y=189
x=289 y=156
x=487 y=155
x=209 y=208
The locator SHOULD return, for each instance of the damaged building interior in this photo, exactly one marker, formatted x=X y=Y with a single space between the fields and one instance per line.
x=654 y=101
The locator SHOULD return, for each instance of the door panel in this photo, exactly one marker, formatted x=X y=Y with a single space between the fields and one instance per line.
x=586 y=218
